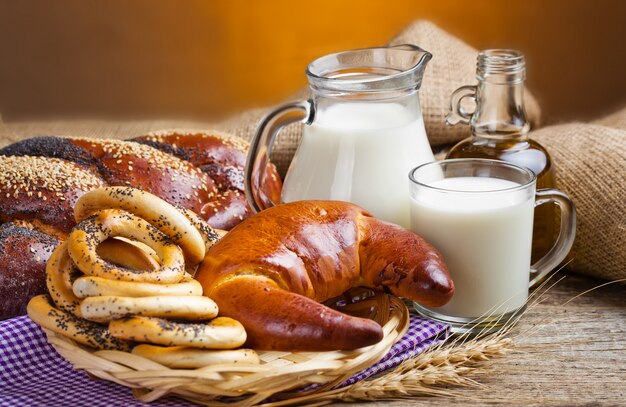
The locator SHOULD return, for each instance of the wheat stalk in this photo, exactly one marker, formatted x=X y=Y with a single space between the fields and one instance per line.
x=430 y=372
x=439 y=371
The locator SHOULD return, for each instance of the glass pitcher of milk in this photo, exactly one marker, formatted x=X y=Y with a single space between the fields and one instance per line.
x=364 y=131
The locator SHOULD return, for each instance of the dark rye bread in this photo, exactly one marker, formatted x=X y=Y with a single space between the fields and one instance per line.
x=42 y=178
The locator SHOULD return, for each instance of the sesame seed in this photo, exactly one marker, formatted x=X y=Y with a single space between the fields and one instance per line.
x=42 y=175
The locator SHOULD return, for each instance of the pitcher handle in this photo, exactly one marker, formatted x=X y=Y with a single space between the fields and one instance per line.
x=564 y=241
x=261 y=147
x=456 y=113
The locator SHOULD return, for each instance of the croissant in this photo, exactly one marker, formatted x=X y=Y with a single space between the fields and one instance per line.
x=42 y=178
x=272 y=271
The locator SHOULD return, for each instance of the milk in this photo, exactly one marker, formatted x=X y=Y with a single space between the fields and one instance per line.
x=485 y=239
x=360 y=152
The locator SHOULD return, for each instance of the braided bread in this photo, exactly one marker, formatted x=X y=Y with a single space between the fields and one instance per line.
x=42 y=178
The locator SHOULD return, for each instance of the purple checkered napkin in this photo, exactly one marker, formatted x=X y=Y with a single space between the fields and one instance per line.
x=32 y=373
x=422 y=334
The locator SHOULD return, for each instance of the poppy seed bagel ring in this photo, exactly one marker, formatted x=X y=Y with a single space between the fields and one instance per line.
x=182 y=357
x=88 y=333
x=92 y=231
x=90 y=286
x=59 y=281
x=107 y=308
x=219 y=333
x=157 y=212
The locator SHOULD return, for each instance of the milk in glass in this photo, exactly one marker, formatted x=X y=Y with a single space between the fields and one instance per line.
x=360 y=152
x=484 y=237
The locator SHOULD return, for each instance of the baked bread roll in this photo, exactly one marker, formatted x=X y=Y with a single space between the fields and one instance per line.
x=42 y=312
x=299 y=254
x=223 y=159
x=23 y=256
x=42 y=178
x=43 y=192
x=183 y=357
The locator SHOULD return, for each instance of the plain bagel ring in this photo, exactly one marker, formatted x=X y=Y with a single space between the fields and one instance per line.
x=88 y=234
x=59 y=270
x=220 y=333
x=160 y=214
x=97 y=336
x=107 y=308
x=90 y=286
x=182 y=357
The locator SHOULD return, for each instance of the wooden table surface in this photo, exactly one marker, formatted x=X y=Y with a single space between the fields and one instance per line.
x=576 y=355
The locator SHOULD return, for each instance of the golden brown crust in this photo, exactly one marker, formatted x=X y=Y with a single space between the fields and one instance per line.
x=219 y=155
x=310 y=248
x=403 y=263
x=317 y=250
x=276 y=319
x=133 y=164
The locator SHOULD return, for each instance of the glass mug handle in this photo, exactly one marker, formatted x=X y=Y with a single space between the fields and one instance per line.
x=261 y=147
x=564 y=241
x=456 y=113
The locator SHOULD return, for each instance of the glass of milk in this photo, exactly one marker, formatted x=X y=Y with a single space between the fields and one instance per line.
x=363 y=132
x=479 y=214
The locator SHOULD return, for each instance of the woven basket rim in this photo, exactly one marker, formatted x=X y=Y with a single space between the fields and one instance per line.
x=281 y=375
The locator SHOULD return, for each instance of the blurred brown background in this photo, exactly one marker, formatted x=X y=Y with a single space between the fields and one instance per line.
x=206 y=59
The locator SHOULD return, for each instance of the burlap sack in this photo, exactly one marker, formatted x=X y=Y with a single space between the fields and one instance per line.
x=590 y=162
x=453 y=65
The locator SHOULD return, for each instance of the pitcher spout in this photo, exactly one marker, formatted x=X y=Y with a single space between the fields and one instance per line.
x=369 y=70
x=415 y=58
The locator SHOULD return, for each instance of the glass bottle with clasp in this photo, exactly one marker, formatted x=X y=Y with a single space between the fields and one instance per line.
x=500 y=129
x=363 y=132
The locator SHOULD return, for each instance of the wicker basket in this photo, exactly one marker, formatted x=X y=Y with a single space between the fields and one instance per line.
x=281 y=375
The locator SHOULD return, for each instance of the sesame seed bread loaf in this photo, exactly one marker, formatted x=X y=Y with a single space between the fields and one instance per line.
x=222 y=158
x=42 y=178
x=43 y=191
